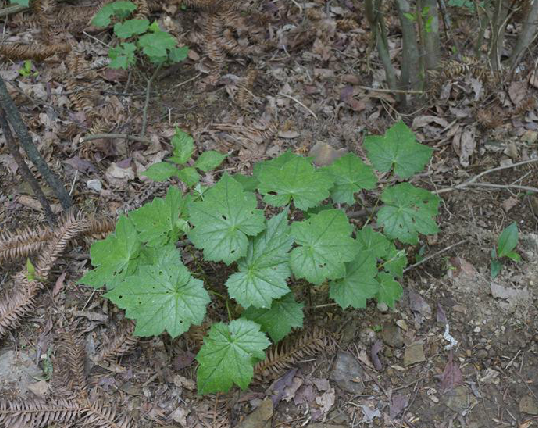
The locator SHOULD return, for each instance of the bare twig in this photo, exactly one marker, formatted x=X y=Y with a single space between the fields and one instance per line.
x=437 y=253
x=301 y=104
x=127 y=136
x=471 y=181
x=396 y=91
x=25 y=171
x=505 y=186
x=146 y=102
x=25 y=140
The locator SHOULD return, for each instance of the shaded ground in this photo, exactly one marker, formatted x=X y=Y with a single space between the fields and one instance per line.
x=313 y=88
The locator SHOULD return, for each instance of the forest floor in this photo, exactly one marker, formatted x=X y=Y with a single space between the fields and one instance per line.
x=460 y=349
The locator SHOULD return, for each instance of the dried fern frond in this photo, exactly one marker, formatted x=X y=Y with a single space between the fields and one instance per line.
x=142 y=9
x=101 y=415
x=17 y=302
x=244 y=93
x=29 y=241
x=37 y=413
x=71 y=354
x=347 y=24
x=284 y=355
x=71 y=227
x=210 y=5
x=36 y=52
x=123 y=342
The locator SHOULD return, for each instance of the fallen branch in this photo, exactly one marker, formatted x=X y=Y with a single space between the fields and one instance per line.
x=126 y=136
x=437 y=253
x=25 y=171
x=14 y=118
x=472 y=181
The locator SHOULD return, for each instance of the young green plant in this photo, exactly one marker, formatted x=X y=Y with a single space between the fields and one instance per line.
x=506 y=244
x=144 y=274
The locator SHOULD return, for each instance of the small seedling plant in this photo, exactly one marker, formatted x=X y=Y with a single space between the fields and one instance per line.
x=137 y=36
x=507 y=242
x=309 y=239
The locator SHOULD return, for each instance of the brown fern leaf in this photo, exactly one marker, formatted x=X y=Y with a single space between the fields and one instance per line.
x=244 y=93
x=71 y=227
x=101 y=415
x=347 y=24
x=209 y=5
x=38 y=413
x=123 y=342
x=81 y=96
x=195 y=335
x=78 y=67
x=36 y=52
x=70 y=357
x=29 y=241
x=212 y=29
x=142 y=9
x=315 y=14
x=17 y=302
x=285 y=354
x=155 y=5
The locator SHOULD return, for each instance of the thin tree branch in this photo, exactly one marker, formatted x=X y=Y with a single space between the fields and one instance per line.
x=146 y=102
x=25 y=171
x=126 y=136
x=25 y=140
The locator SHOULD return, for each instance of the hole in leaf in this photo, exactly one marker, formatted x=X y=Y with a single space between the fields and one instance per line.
x=272 y=193
x=224 y=217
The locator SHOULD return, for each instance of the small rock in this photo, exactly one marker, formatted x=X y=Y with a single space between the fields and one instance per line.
x=382 y=307
x=414 y=353
x=94 y=185
x=347 y=373
x=460 y=399
x=392 y=336
x=18 y=371
x=528 y=405
x=529 y=136
x=259 y=418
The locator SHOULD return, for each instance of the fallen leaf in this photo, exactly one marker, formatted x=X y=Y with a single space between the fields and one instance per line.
x=58 y=285
x=422 y=121
x=414 y=353
x=452 y=376
x=278 y=387
x=376 y=348
x=398 y=405
x=325 y=154
x=517 y=91
x=509 y=203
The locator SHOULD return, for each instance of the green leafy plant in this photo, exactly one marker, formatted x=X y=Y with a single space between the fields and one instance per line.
x=176 y=165
x=137 y=35
x=508 y=240
x=308 y=239
x=27 y=69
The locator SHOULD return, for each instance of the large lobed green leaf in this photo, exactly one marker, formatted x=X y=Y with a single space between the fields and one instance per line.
x=408 y=211
x=358 y=284
x=229 y=354
x=350 y=174
x=159 y=222
x=222 y=222
x=277 y=321
x=162 y=297
x=263 y=272
x=324 y=245
x=398 y=148
x=292 y=177
x=114 y=257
